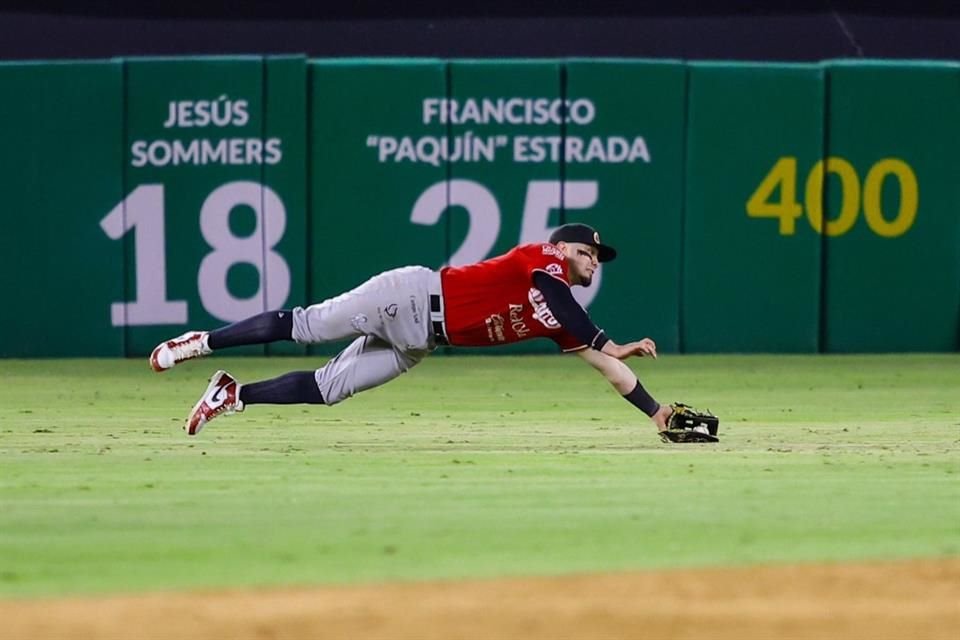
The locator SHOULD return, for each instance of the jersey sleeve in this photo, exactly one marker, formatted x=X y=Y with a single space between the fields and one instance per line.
x=568 y=342
x=548 y=259
x=568 y=312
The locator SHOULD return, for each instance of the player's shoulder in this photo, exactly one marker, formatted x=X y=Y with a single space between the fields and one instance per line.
x=541 y=250
x=543 y=256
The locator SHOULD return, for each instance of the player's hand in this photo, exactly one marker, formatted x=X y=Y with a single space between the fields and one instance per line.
x=662 y=416
x=645 y=347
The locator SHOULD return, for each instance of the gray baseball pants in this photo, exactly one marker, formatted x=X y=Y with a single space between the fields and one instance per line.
x=389 y=317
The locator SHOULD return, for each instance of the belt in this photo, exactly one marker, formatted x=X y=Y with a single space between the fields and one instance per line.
x=437 y=322
x=436 y=319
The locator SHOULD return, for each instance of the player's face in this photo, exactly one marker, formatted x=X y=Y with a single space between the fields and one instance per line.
x=582 y=259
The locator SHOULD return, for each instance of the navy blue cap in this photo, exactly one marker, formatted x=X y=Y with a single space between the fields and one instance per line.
x=584 y=234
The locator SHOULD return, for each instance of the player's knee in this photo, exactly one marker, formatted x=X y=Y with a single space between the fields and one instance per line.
x=333 y=384
x=311 y=325
x=406 y=360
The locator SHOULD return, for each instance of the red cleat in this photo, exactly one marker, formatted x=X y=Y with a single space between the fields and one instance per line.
x=192 y=344
x=221 y=397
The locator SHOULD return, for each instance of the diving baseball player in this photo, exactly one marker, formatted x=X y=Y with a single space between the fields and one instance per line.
x=398 y=317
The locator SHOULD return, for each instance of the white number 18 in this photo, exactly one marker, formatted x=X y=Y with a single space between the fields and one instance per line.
x=143 y=212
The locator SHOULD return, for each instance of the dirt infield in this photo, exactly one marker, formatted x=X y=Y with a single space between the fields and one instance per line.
x=917 y=599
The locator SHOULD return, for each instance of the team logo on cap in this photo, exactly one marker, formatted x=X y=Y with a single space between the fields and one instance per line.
x=596 y=237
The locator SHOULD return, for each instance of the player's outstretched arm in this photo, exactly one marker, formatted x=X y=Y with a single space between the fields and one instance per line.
x=616 y=372
x=645 y=347
x=625 y=382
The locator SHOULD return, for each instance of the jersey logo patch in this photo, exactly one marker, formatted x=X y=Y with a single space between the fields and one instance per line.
x=555 y=269
x=550 y=250
x=516 y=321
x=495 y=328
x=540 y=309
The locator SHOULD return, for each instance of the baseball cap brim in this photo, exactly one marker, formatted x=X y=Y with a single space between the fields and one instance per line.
x=605 y=253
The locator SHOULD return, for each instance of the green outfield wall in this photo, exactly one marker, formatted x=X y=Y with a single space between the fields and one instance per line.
x=756 y=207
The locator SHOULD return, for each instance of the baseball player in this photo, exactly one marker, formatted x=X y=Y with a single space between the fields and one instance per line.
x=398 y=317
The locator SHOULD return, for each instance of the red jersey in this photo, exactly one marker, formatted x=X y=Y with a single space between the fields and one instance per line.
x=495 y=302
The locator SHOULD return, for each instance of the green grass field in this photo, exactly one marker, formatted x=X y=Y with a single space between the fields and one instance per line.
x=470 y=467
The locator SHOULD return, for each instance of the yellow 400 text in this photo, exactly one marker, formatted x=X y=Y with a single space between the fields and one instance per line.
x=788 y=209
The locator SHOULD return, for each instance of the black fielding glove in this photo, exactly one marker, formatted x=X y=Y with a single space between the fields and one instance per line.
x=687 y=424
